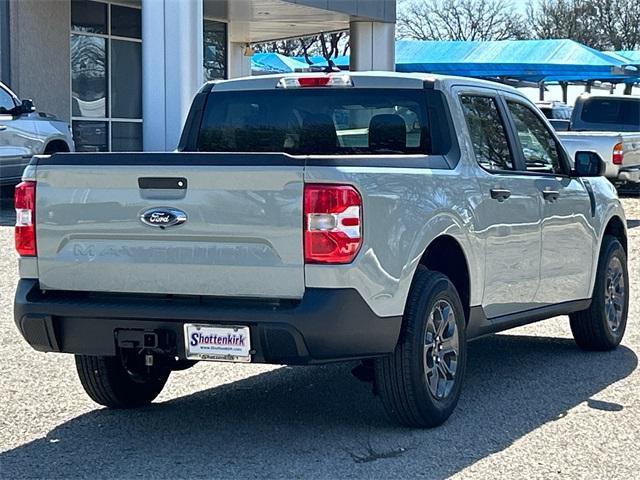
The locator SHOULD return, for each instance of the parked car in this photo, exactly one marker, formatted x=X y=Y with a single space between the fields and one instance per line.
x=278 y=234
x=24 y=133
x=609 y=125
x=555 y=110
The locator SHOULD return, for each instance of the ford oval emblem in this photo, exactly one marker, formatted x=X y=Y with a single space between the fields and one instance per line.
x=163 y=217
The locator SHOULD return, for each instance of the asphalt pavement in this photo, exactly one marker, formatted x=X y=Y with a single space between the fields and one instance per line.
x=533 y=406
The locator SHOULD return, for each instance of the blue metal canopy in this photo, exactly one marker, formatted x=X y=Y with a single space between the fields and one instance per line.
x=341 y=61
x=632 y=55
x=532 y=60
x=529 y=60
x=276 y=63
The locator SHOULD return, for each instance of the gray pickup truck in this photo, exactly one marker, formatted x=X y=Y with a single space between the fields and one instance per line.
x=311 y=218
x=610 y=126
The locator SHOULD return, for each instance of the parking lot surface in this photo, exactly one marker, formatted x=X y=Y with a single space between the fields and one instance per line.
x=533 y=406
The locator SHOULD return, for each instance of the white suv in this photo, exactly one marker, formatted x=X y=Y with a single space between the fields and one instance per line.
x=25 y=133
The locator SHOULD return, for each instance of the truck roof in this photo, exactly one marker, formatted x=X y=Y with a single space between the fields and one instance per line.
x=371 y=79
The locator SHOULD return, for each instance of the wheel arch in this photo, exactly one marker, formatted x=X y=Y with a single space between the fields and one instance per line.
x=615 y=225
x=446 y=255
x=616 y=228
x=56 y=145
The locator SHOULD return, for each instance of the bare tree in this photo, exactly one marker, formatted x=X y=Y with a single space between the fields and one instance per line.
x=327 y=45
x=600 y=24
x=459 y=20
x=574 y=19
x=618 y=23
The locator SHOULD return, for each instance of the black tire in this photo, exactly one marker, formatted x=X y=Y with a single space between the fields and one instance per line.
x=591 y=328
x=108 y=383
x=56 y=147
x=402 y=378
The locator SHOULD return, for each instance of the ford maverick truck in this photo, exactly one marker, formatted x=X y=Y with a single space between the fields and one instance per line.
x=311 y=218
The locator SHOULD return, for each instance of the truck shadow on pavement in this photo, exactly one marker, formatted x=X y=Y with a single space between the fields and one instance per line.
x=322 y=422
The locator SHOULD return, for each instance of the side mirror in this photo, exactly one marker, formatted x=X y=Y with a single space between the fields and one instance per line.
x=589 y=164
x=27 y=106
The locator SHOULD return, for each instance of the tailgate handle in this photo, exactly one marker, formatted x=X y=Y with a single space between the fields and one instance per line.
x=162 y=183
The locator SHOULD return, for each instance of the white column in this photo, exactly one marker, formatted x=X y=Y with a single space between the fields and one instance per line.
x=372 y=46
x=239 y=62
x=172 y=70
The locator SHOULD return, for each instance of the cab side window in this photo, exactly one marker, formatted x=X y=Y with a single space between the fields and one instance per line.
x=539 y=148
x=6 y=101
x=487 y=132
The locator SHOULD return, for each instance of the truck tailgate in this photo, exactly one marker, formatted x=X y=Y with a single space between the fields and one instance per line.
x=242 y=235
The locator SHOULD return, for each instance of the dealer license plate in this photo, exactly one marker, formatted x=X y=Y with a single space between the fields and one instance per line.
x=217 y=343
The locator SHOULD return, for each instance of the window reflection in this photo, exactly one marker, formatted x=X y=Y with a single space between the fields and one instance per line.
x=88 y=76
x=538 y=146
x=215 y=50
x=487 y=133
x=90 y=136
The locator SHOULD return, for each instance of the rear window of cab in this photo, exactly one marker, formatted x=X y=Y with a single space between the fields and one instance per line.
x=324 y=121
x=613 y=111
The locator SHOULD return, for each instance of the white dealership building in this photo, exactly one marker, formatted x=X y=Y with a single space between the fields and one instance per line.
x=123 y=72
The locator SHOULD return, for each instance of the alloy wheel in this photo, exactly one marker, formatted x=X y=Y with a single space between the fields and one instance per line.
x=441 y=349
x=614 y=294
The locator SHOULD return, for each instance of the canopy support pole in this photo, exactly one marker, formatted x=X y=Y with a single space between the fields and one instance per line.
x=628 y=88
x=587 y=87
x=541 y=91
x=565 y=91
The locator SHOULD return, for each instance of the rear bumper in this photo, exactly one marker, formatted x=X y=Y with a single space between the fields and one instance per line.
x=629 y=174
x=325 y=325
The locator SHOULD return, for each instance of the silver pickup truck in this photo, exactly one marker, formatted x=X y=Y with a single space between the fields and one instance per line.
x=311 y=218
x=609 y=125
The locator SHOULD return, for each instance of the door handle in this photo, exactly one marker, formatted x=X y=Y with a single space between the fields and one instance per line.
x=3 y=127
x=550 y=195
x=500 y=194
x=162 y=183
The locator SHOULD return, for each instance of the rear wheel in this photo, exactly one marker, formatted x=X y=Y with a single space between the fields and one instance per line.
x=109 y=383
x=602 y=325
x=420 y=382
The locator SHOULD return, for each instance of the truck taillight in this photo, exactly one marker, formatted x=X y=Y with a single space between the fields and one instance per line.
x=335 y=81
x=332 y=223
x=25 y=204
x=618 y=154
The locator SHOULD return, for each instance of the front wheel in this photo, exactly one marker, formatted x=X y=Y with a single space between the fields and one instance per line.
x=420 y=383
x=602 y=325
x=109 y=383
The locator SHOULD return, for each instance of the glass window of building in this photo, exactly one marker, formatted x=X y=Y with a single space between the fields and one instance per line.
x=215 y=50
x=106 y=76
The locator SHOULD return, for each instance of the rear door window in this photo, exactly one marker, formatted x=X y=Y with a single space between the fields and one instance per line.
x=487 y=132
x=316 y=121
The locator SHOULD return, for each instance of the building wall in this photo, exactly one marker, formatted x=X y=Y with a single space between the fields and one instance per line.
x=5 y=67
x=40 y=53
